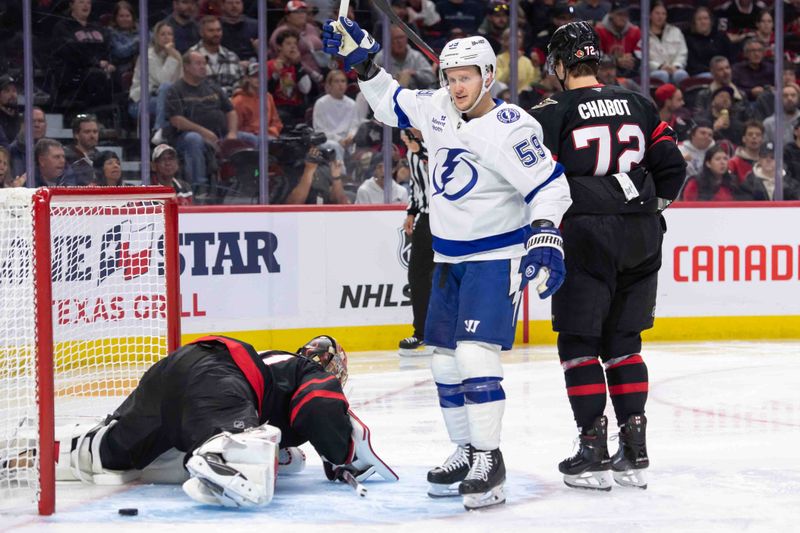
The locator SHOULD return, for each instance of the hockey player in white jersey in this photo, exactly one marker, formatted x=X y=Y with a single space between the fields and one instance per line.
x=497 y=198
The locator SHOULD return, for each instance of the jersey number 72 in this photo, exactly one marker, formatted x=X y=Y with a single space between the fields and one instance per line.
x=628 y=142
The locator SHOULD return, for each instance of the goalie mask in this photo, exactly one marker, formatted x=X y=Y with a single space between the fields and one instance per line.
x=328 y=353
x=466 y=52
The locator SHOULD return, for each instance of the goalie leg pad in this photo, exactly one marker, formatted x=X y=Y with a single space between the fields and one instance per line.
x=366 y=461
x=451 y=395
x=484 y=398
x=291 y=460
x=79 y=456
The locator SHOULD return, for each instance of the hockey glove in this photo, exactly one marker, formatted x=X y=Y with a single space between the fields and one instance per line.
x=543 y=265
x=344 y=38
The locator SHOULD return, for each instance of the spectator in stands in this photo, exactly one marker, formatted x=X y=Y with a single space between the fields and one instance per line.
x=83 y=151
x=82 y=53
x=765 y=103
x=669 y=101
x=668 y=52
x=791 y=153
x=765 y=32
x=335 y=114
x=714 y=183
x=10 y=119
x=165 y=67
x=754 y=75
x=463 y=14
x=371 y=191
x=592 y=10
x=721 y=76
x=408 y=66
x=166 y=169
x=747 y=153
x=701 y=138
x=704 y=42
x=17 y=148
x=239 y=32
x=223 y=65
x=288 y=81
x=620 y=38
x=246 y=100
x=607 y=75
x=124 y=36
x=319 y=183
x=723 y=116
x=423 y=13
x=559 y=14
x=200 y=115
x=739 y=18
x=309 y=42
x=107 y=169
x=184 y=27
x=51 y=165
x=528 y=74
x=761 y=181
x=7 y=177
x=495 y=23
x=791 y=101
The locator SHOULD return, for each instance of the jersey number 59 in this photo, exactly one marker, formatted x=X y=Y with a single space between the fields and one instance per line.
x=629 y=136
x=529 y=151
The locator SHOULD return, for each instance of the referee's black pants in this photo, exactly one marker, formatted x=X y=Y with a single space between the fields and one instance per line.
x=420 y=272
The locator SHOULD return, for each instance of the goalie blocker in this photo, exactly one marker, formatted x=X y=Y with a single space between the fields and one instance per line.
x=207 y=404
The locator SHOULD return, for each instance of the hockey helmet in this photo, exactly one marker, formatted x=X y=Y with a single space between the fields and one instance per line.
x=571 y=44
x=326 y=351
x=469 y=51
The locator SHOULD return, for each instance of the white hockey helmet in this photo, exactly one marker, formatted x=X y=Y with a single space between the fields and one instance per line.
x=469 y=51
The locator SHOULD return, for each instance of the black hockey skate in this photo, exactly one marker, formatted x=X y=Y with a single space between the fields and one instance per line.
x=444 y=479
x=483 y=486
x=590 y=467
x=413 y=346
x=631 y=459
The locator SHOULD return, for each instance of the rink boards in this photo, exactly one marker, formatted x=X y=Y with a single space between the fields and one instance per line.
x=277 y=275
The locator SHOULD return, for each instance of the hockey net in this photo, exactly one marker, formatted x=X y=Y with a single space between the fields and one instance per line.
x=88 y=301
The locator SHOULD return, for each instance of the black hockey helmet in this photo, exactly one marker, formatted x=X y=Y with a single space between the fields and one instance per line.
x=573 y=43
x=326 y=351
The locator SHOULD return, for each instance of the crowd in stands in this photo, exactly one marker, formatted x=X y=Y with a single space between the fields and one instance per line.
x=711 y=64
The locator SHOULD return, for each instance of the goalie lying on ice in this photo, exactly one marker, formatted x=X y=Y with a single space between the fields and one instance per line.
x=211 y=400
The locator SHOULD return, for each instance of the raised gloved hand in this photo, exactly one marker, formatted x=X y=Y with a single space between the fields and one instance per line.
x=344 y=38
x=543 y=265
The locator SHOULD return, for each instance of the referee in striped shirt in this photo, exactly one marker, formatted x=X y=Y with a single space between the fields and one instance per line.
x=420 y=264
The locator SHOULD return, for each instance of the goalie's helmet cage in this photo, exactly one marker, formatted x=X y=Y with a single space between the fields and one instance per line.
x=326 y=351
x=465 y=52
x=573 y=43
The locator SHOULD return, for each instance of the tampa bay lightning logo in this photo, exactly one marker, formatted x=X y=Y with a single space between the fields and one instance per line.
x=508 y=115
x=454 y=175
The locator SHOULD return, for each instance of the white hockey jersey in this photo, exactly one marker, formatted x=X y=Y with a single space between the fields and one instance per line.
x=490 y=176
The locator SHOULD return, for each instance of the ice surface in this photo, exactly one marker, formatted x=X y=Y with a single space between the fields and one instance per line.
x=724 y=427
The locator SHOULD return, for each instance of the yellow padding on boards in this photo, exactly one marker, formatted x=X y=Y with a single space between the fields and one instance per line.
x=386 y=337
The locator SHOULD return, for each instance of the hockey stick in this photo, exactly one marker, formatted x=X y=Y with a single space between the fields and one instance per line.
x=344 y=6
x=386 y=9
x=353 y=482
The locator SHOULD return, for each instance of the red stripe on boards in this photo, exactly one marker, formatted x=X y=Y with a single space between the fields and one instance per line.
x=628 y=388
x=586 y=390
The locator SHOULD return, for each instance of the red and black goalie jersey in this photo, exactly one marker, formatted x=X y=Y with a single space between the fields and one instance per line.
x=602 y=130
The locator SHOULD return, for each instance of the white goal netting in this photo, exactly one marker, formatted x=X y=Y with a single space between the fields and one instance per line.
x=109 y=315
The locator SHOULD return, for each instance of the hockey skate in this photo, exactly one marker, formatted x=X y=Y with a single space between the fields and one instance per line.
x=483 y=486
x=413 y=347
x=631 y=459
x=590 y=467
x=444 y=479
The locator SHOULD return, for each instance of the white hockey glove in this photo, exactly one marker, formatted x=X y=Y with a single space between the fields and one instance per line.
x=365 y=461
x=235 y=469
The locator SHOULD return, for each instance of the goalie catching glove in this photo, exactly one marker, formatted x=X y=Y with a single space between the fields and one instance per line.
x=543 y=265
x=235 y=469
x=344 y=38
x=365 y=462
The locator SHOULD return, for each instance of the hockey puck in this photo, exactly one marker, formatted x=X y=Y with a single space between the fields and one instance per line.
x=130 y=511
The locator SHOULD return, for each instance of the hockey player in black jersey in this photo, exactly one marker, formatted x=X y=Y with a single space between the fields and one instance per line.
x=230 y=416
x=623 y=168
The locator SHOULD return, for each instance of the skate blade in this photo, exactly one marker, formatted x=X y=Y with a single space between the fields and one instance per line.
x=417 y=352
x=493 y=497
x=589 y=480
x=438 y=490
x=631 y=478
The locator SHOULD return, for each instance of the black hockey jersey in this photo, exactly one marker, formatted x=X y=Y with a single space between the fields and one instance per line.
x=297 y=396
x=602 y=130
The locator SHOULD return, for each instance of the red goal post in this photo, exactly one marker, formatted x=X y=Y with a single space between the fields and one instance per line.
x=89 y=299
